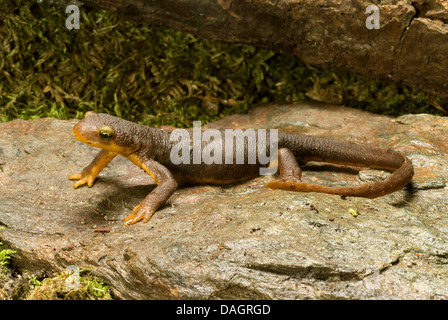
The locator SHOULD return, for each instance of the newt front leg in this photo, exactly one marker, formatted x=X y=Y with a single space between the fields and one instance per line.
x=166 y=185
x=89 y=174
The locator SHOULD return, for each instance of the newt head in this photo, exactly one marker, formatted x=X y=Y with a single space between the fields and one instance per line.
x=107 y=132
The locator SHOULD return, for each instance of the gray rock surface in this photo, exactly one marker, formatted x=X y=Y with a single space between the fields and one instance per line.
x=238 y=241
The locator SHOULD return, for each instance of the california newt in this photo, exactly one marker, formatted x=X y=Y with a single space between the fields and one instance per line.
x=151 y=149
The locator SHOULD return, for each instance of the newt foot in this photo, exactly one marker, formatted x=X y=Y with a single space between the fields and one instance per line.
x=82 y=179
x=138 y=214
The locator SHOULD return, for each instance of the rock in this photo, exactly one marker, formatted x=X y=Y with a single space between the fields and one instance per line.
x=238 y=241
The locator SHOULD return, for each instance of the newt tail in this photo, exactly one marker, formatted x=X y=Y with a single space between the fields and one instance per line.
x=346 y=153
x=396 y=181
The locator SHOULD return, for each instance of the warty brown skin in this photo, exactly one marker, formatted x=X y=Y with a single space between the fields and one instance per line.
x=150 y=149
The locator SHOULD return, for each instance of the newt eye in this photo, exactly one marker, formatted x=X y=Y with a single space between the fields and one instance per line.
x=106 y=133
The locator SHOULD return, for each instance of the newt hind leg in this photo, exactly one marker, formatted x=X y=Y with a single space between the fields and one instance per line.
x=290 y=171
x=290 y=175
x=288 y=166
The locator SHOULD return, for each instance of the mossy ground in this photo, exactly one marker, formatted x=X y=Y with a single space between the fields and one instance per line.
x=5 y=274
x=55 y=288
x=15 y=286
x=59 y=287
x=5 y=256
x=158 y=76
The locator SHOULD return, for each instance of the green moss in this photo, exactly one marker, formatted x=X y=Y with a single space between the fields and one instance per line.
x=5 y=256
x=90 y=288
x=159 y=76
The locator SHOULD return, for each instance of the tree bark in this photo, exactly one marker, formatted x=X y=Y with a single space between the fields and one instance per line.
x=410 y=46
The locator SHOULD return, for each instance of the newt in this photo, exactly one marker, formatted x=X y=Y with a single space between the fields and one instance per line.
x=150 y=149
